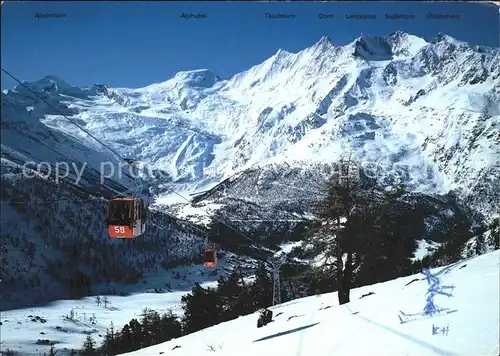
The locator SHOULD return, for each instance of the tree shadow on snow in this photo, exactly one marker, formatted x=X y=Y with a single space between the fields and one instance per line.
x=286 y=332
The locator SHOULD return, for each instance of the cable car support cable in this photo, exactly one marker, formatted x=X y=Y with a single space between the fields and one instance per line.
x=131 y=162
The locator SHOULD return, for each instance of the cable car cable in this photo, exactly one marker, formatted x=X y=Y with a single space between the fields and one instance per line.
x=60 y=113
x=138 y=185
x=70 y=184
x=117 y=154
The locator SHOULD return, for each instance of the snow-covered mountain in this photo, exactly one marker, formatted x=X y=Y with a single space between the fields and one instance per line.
x=427 y=113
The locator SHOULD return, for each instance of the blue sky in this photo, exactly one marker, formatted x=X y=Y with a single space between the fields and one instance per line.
x=133 y=44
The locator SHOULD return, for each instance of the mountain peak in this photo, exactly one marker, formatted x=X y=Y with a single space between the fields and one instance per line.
x=49 y=83
x=444 y=38
x=372 y=48
x=280 y=52
x=51 y=80
x=197 y=78
x=48 y=79
x=100 y=89
x=324 y=42
x=376 y=48
x=405 y=44
x=399 y=35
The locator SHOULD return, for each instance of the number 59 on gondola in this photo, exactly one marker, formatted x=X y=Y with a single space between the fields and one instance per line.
x=126 y=217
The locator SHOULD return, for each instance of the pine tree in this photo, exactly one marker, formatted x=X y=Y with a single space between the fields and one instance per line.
x=109 y=343
x=458 y=235
x=202 y=309
x=495 y=233
x=170 y=327
x=150 y=326
x=261 y=290
x=155 y=327
x=105 y=301
x=126 y=340
x=352 y=230
x=234 y=296
x=93 y=319
x=479 y=245
x=228 y=290
x=89 y=347
x=52 y=351
x=244 y=305
x=331 y=236
x=137 y=335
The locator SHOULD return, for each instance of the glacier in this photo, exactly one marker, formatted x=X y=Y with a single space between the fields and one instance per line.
x=423 y=112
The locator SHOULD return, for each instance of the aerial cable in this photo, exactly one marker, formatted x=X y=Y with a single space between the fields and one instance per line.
x=67 y=118
x=95 y=138
x=232 y=228
x=60 y=113
x=39 y=201
x=257 y=244
x=63 y=178
x=124 y=159
x=138 y=186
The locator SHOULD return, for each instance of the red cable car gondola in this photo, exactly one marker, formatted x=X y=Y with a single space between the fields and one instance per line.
x=126 y=217
x=210 y=258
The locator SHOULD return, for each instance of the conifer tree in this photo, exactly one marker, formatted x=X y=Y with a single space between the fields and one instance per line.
x=126 y=340
x=262 y=289
x=457 y=236
x=170 y=327
x=350 y=225
x=137 y=335
x=495 y=232
x=52 y=351
x=89 y=347
x=202 y=308
x=109 y=345
x=234 y=296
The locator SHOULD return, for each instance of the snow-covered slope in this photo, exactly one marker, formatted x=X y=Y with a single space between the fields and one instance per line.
x=369 y=324
x=25 y=139
x=21 y=328
x=428 y=112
